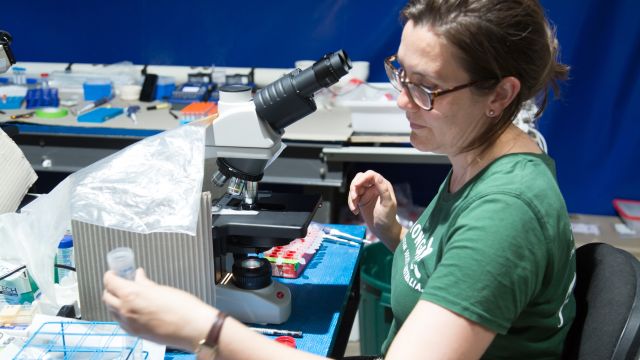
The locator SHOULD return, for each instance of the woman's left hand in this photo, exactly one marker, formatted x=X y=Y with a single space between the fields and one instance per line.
x=159 y=313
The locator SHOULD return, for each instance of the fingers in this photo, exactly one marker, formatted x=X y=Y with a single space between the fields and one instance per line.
x=359 y=185
x=385 y=191
x=353 y=196
x=112 y=302
x=115 y=284
x=367 y=187
x=141 y=277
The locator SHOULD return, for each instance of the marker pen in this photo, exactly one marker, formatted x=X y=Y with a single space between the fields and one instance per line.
x=277 y=332
x=158 y=106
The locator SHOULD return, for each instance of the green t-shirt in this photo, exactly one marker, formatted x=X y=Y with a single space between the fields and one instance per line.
x=499 y=252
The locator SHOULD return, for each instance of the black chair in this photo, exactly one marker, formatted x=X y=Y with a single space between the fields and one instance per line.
x=607 y=323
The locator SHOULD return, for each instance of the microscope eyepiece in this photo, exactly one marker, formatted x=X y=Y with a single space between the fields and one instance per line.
x=290 y=98
x=331 y=68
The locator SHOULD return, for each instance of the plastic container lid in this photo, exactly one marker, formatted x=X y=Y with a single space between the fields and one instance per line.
x=629 y=209
x=165 y=80
x=286 y=340
x=98 y=81
x=66 y=242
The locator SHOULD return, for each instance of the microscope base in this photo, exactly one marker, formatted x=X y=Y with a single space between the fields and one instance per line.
x=269 y=305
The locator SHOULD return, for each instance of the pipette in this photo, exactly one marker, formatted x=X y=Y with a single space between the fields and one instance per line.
x=337 y=233
x=94 y=104
x=131 y=112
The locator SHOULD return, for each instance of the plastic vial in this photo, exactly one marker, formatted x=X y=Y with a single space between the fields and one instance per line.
x=122 y=261
x=64 y=255
x=44 y=81
x=19 y=77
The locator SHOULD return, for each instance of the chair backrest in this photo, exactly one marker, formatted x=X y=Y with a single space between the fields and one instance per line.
x=607 y=323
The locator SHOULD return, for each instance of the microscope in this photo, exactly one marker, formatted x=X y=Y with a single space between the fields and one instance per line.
x=6 y=60
x=244 y=139
x=6 y=56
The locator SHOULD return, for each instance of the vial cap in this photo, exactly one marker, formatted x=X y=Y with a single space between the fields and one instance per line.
x=286 y=340
x=66 y=242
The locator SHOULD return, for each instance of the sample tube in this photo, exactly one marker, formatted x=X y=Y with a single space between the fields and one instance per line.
x=19 y=77
x=122 y=261
x=44 y=81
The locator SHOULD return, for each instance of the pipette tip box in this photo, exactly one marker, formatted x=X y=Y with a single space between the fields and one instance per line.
x=100 y=115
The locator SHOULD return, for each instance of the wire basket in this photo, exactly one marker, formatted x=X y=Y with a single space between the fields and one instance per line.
x=82 y=340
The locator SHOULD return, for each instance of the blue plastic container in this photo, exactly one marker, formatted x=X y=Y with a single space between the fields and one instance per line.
x=164 y=87
x=97 y=89
x=38 y=98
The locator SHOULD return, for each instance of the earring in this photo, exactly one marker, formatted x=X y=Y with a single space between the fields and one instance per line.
x=491 y=113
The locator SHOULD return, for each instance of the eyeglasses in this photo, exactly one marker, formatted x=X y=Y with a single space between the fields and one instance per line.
x=419 y=94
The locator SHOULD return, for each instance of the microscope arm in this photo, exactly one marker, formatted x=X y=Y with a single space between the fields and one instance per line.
x=6 y=55
x=239 y=133
x=6 y=60
x=246 y=137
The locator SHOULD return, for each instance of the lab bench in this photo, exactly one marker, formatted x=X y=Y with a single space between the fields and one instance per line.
x=324 y=299
x=320 y=148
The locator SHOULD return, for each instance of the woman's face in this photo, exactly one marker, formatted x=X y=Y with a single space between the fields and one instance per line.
x=456 y=117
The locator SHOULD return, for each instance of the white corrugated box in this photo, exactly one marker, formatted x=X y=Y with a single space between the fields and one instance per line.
x=374 y=110
x=17 y=175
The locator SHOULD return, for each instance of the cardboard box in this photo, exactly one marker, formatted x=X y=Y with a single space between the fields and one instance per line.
x=17 y=175
x=174 y=259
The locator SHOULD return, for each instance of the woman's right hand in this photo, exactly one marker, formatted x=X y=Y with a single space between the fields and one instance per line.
x=372 y=196
x=159 y=313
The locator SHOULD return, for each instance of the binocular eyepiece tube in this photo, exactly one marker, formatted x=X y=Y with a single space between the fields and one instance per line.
x=290 y=98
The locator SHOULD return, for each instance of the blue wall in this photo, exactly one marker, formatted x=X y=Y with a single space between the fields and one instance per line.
x=225 y=33
x=593 y=131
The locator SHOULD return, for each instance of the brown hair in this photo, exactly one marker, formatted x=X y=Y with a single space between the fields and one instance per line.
x=495 y=39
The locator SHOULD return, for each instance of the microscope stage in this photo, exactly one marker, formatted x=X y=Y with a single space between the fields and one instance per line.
x=278 y=219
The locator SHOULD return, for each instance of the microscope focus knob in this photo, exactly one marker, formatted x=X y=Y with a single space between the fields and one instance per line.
x=252 y=273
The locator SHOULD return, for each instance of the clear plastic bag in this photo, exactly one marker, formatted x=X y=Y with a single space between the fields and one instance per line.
x=122 y=73
x=153 y=185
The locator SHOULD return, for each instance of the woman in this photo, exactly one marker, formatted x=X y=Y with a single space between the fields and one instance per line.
x=488 y=269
